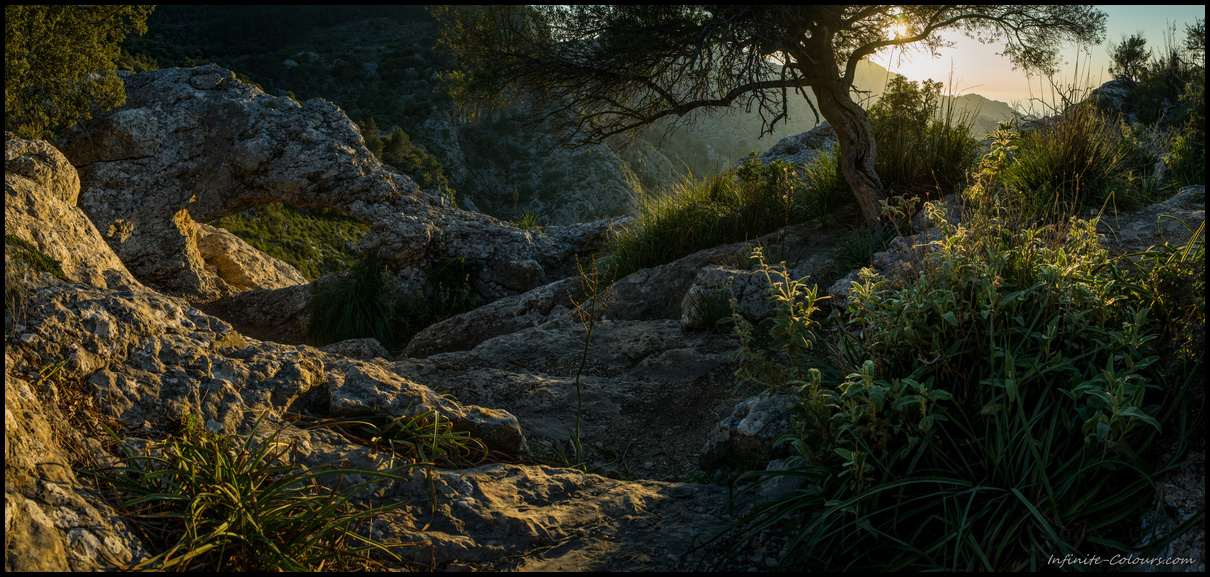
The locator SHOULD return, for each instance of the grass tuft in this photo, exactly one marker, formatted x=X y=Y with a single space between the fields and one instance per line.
x=212 y=503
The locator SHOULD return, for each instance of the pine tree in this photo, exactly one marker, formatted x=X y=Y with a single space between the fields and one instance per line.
x=59 y=62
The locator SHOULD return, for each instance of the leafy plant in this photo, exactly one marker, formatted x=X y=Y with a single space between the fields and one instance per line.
x=527 y=221
x=711 y=308
x=1072 y=161
x=58 y=63
x=922 y=152
x=1002 y=414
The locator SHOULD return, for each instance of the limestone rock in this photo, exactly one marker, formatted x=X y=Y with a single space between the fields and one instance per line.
x=1172 y=221
x=50 y=522
x=579 y=522
x=801 y=149
x=1182 y=496
x=647 y=391
x=505 y=316
x=241 y=266
x=148 y=357
x=194 y=144
x=42 y=164
x=716 y=285
x=40 y=190
x=364 y=349
x=657 y=292
x=749 y=432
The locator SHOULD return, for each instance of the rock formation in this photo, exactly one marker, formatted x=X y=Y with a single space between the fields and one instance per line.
x=195 y=144
x=40 y=192
x=137 y=359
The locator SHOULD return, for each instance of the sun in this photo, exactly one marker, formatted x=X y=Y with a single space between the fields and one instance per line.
x=899 y=30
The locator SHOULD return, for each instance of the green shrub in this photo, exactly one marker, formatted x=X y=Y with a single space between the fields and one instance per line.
x=450 y=292
x=1070 y=162
x=919 y=155
x=997 y=409
x=527 y=221
x=316 y=242
x=368 y=302
x=1187 y=159
x=856 y=249
x=356 y=306
x=750 y=201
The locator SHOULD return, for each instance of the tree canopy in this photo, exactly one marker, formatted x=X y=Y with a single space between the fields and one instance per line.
x=601 y=71
x=1130 y=56
x=59 y=62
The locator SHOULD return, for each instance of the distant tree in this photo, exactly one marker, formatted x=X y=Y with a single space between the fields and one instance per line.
x=1130 y=56
x=59 y=62
x=369 y=132
x=1195 y=39
x=598 y=71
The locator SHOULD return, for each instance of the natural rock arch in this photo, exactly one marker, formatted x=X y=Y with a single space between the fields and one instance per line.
x=191 y=145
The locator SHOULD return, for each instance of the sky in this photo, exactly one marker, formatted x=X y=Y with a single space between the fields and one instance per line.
x=977 y=68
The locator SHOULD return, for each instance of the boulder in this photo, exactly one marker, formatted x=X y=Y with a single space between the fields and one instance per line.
x=40 y=190
x=505 y=316
x=364 y=349
x=749 y=433
x=194 y=144
x=802 y=149
x=658 y=292
x=43 y=165
x=50 y=524
x=648 y=393
x=240 y=266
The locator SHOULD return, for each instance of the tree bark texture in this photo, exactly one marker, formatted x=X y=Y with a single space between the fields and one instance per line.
x=855 y=137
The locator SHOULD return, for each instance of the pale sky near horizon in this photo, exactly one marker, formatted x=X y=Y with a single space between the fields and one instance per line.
x=977 y=68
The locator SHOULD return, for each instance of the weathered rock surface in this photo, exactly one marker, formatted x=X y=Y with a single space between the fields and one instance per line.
x=49 y=523
x=507 y=315
x=649 y=393
x=1172 y=221
x=40 y=191
x=574 y=521
x=240 y=266
x=802 y=149
x=1182 y=496
x=749 y=433
x=148 y=358
x=657 y=292
x=364 y=349
x=195 y=144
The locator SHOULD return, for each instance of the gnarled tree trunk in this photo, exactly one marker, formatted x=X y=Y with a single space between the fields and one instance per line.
x=857 y=148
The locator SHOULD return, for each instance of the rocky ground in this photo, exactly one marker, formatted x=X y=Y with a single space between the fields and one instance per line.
x=114 y=341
